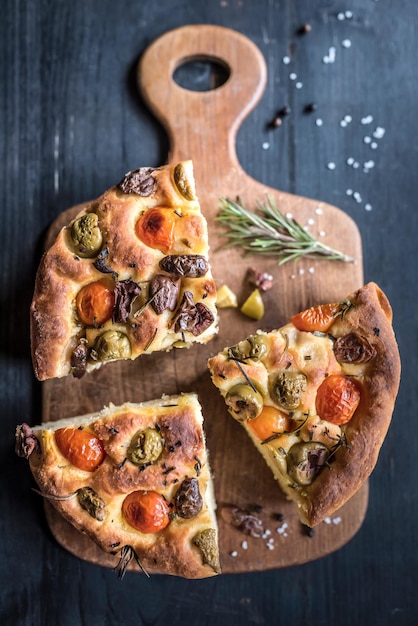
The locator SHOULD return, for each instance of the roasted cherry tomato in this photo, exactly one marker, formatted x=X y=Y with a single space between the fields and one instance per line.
x=337 y=398
x=269 y=422
x=80 y=447
x=95 y=303
x=146 y=511
x=156 y=228
x=318 y=318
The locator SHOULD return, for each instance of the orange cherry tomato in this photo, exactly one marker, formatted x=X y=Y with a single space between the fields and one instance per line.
x=95 y=303
x=146 y=511
x=156 y=228
x=269 y=422
x=81 y=448
x=318 y=318
x=337 y=398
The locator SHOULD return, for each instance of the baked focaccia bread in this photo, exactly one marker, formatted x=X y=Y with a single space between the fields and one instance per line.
x=316 y=397
x=136 y=479
x=129 y=275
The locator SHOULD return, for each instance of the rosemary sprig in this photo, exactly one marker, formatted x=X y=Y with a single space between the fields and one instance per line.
x=268 y=232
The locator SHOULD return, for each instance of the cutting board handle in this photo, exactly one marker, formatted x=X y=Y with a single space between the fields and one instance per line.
x=202 y=123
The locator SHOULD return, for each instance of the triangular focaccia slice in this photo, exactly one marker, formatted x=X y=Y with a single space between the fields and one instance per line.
x=316 y=397
x=129 y=275
x=135 y=479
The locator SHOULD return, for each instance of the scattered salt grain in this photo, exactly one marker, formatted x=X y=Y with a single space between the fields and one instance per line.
x=337 y=520
x=299 y=85
x=368 y=119
x=293 y=76
x=368 y=165
x=373 y=145
x=379 y=132
x=341 y=16
x=327 y=520
x=346 y=43
x=330 y=57
x=343 y=123
x=266 y=145
x=234 y=553
x=311 y=270
x=319 y=122
x=244 y=545
x=289 y=216
x=331 y=165
x=322 y=233
x=311 y=221
x=349 y=192
x=368 y=207
x=349 y=15
x=350 y=161
x=301 y=271
x=286 y=60
x=357 y=197
x=270 y=546
x=281 y=530
x=318 y=211
x=266 y=533
x=356 y=165
x=367 y=139
x=348 y=118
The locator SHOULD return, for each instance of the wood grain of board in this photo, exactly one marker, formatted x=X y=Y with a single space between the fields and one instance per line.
x=202 y=126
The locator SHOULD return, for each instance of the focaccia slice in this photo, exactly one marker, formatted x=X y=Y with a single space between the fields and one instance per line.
x=136 y=479
x=129 y=275
x=316 y=397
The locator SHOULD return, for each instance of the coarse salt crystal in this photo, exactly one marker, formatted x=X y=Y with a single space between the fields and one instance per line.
x=349 y=14
x=349 y=192
x=369 y=164
x=293 y=76
x=311 y=270
x=337 y=520
x=270 y=546
x=367 y=139
x=244 y=545
x=289 y=216
x=368 y=207
x=357 y=197
x=368 y=119
x=343 y=123
x=311 y=221
x=373 y=145
x=327 y=520
x=346 y=43
x=379 y=132
x=350 y=161
x=266 y=533
x=299 y=85
x=356 y=164
x=318 y=211
x=266 y=145
x=322 y=233
x=301 y=271
x=234 y=553
x=281 y=530
x=348 y=118
x=341 y=17
x=286 y=60
x=319 y=122
x=331 y=165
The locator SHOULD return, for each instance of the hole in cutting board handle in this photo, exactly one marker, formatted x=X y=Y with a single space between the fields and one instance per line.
x=201 y=73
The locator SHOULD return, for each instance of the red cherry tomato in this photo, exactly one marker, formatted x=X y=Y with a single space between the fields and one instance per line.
x=156 y=228
x=81 y=448
x=269 y=422
x=95 y=303
x=337 y=398
x=318 y=318
x=146 y=511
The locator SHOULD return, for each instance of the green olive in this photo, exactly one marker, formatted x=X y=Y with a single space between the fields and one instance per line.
x=207 y=544
x=112 y=344
x=304 y=461
x=286 y=389
x=254 y=347
x=183 y=182
x=86 y=236
x=91 y=502
x=244 y=402
x=145 y=447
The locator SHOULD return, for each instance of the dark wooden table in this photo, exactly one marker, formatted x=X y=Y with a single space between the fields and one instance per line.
x=72 y=123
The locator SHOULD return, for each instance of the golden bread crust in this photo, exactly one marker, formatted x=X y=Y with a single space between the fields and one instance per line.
x=56 y=328
x=354 y=446
x=179 y=422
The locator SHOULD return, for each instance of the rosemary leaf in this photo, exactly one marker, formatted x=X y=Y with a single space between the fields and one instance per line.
x=268 y=232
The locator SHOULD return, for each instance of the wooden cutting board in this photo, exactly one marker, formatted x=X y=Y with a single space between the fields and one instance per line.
x=202 y=126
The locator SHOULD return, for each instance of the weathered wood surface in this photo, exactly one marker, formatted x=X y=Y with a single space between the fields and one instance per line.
x=72 y=122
